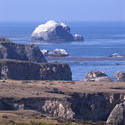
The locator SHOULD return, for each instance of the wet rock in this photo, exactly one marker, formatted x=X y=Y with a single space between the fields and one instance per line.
x=9 y=50
x=117 y=116
x=45 y=52
x=52 y=31
x=97 y=76
x=78 y=37
x=115 y=55
x=120 y=76
x=58 y=53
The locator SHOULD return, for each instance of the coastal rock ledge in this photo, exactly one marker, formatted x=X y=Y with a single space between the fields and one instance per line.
x=52 y=31
x=24 y=70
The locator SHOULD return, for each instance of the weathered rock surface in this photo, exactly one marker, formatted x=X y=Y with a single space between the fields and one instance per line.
x=20 y=70
x=54 y=32
x=117 y=116
x=9 y=50
x=97 y=76
x=120 y=76
x=58 y=109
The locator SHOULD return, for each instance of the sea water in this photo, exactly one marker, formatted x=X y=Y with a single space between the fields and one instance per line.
x=101 y=40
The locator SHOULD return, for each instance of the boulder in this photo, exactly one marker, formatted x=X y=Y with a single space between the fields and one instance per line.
x=24 y=70
x=9 y=50
x=78 y=37
x=58 y=53
x=117 y=55
x=97 y=76
x=117 y=116
x=120 y=76
x=52 y=31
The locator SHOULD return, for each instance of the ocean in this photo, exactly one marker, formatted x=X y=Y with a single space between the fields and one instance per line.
x=101 y=40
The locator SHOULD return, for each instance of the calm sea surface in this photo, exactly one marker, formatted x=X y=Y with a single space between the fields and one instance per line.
x=101 y=40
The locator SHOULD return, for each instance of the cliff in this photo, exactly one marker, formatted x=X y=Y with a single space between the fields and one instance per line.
x=62 y=99
x=24 y=70
x=9 y=50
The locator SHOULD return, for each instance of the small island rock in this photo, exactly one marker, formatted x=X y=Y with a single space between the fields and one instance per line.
x=52 y=31
x=117 y=55
x=58 y=53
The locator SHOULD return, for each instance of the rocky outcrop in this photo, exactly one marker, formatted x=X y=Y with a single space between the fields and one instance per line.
x=85 y=107
x=20 y=70
x=58 y=109
x=45 y=52
x=120 y=76
x=54 y=32
x=117 y=55
x=9 y=50
x=78 y=37
x=117 y=116
x=96 y=76
x=55 y=53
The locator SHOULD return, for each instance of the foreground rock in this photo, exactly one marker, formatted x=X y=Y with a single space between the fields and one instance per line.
x=9 y=50
x=52 y=31
x=120 y=76
x=97 y=76
x=117 y=116
x=20 y=70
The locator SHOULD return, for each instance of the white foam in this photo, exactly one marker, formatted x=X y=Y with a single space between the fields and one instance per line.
x=47 y=27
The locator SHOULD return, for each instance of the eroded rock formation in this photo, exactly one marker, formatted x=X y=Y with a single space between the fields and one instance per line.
x=120 y=76
x=20 y=70
x=97 y=76
x=117 y=116
x=9 y=50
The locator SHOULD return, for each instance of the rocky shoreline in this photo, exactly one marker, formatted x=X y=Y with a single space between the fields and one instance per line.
x=29 y=82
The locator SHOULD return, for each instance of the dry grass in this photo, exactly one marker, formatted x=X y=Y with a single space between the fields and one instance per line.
x=25 y=89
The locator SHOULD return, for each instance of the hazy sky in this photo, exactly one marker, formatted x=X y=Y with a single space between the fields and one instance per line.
x=62 y=10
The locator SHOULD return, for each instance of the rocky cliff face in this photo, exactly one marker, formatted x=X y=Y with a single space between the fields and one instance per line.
x=20 y=70
x=9 y=50
x=91 y=107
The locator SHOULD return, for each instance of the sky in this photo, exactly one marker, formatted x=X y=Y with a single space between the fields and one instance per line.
x=61 y=10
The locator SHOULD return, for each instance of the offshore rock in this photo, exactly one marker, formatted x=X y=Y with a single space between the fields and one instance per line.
x=97 y=76
x=52 y=31
x=58 y=53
